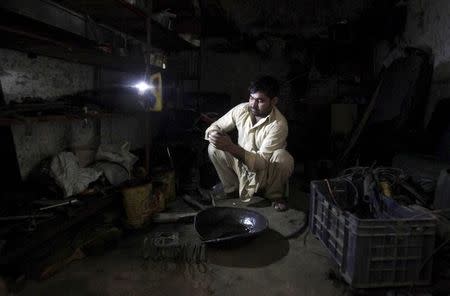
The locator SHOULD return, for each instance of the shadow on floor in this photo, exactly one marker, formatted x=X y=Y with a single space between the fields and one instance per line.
x=263 y=203
x=263 y=250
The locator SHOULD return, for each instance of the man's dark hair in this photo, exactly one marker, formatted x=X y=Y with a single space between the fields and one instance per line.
x=265 y=84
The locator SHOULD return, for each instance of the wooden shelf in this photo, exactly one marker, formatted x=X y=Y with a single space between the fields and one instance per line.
x=30 y=119
x=26 y=35
x=22 y=30
x=77 y=55
x=130 y=19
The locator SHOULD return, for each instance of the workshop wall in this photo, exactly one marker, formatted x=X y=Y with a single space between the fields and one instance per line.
x=49 y=78
x=121 y=128
x=41 y=76
x=231 y=72
x=428 y=24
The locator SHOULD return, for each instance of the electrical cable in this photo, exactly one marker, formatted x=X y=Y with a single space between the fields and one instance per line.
x=338 y=202
x=393 y=176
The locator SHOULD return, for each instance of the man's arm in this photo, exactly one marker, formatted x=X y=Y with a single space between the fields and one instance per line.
x=255 y=161
x=222 y=141
x=224 y=124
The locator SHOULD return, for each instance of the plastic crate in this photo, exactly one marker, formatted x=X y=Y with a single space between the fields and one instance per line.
x=373 y=253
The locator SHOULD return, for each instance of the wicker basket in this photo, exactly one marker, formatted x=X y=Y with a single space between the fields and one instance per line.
x=138 y=204
x=168 y=179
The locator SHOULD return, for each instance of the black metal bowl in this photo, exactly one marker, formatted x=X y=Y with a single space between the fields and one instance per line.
x=227 y=224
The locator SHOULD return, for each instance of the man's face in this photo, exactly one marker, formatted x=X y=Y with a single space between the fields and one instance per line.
x=260 y=105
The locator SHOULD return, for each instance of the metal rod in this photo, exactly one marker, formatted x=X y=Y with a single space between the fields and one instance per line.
x=59 y=204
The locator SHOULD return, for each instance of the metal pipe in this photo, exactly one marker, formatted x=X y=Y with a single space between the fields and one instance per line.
x=59 y=204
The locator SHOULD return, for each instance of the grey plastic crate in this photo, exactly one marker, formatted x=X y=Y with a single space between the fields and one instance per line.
x=373 y=253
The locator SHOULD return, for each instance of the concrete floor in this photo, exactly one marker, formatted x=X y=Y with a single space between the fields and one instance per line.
x=267 y=265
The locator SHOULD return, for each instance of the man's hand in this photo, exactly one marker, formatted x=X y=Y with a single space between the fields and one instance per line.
x=221 y=141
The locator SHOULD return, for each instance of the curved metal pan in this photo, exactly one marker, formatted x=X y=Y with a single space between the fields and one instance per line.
x=229 y=224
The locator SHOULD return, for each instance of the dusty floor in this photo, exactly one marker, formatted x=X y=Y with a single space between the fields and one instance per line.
x=269 y=265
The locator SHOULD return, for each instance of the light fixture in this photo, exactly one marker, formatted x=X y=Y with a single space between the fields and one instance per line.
x=142 y=87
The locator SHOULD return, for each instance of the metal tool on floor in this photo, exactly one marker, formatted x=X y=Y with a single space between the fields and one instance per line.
x=173 y=217
x=60 y=204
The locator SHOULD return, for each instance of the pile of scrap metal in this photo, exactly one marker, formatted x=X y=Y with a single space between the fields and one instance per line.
x=366 y=183
x=356 y=189
x=363 y=192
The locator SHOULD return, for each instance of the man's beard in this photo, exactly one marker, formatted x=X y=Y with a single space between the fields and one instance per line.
x=258 y=113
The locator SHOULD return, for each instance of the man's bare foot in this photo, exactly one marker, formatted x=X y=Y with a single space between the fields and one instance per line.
x=280 y=205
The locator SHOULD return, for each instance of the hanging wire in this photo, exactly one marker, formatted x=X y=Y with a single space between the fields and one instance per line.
x=337 y=182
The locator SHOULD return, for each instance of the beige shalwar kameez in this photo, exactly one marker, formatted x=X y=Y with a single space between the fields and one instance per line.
x=267 y=165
